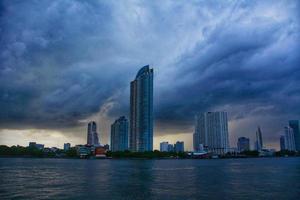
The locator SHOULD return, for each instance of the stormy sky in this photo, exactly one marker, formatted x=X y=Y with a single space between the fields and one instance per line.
x=63 y=63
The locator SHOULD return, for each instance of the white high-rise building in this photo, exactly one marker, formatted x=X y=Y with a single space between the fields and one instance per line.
x=211 y=132
x=289 y=139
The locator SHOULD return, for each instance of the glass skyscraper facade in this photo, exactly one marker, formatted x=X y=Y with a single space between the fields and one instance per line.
x=119 y=135
x=282 y=143
x=259 y=141
x=289 y=139
x=295 y=125
x=211 y=132
x=141 y=111
x=92 y=135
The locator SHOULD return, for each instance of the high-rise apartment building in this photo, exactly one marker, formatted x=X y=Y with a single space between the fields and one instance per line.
x=259 y=140
x=295 y=125
x=282 y=143
x=211 y=132
x=289 y=139
x=141 y=111
x=92 y=135
x=119 y=135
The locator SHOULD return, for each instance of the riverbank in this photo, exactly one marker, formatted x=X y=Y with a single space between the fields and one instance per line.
x=73 y=153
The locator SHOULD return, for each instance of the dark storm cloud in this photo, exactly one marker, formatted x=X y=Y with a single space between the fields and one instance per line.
x=238 y=65
x=55 y=65
x=62 y=61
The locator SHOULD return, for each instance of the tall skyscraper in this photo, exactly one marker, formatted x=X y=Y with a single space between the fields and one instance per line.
x=282 y=143
x=289 y=139
x=141 y=111
x=119 y=135
x=259 y=141
x=211 y=132
x=243 y=144
x=295 y=125
x=179 y=147
x=92 y=135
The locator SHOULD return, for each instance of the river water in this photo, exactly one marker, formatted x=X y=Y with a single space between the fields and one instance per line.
x=256 y=178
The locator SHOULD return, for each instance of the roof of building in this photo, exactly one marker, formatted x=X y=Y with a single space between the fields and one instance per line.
x=142 y=71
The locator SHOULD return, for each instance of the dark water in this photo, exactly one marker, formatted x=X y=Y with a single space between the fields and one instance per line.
x=265 y=178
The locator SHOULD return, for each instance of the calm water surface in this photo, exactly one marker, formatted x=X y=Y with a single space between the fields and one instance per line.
x=263 y=178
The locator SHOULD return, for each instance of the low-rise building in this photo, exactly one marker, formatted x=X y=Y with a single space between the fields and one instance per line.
x=100 y=152
x=164 y=146
x=67 y=146
x=35 y=145
x=179 y=146
x=83 y=151
x=170 y=147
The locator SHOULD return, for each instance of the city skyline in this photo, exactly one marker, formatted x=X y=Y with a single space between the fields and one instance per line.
x=69 y=63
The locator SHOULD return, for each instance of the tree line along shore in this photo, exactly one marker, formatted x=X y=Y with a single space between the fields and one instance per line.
x=20 y=151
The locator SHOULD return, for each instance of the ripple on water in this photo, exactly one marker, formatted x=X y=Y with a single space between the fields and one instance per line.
x=149 y=179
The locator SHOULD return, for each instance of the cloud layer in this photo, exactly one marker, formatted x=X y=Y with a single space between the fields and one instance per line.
x=64 y=62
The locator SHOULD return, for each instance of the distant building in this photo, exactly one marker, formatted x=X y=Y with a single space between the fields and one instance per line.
x=54 y=149
x=170 y=147
x=47 y=150
x=243 y=144
x=83 y=151
x=282 y=143
x=197 y=134
x=92 y=135
x=289 y=139
x=267 y=152
x=67 y=146
x=295 y=125
x=141 y=111
x=179 y=147
x=119 y=135
x=100 y=152
x=106 y=146
x=39 y=146
x=259 y=141
x=164 y=146
x=32 y=144
x=211 y=132
x=35 y=145
x=201 y=148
